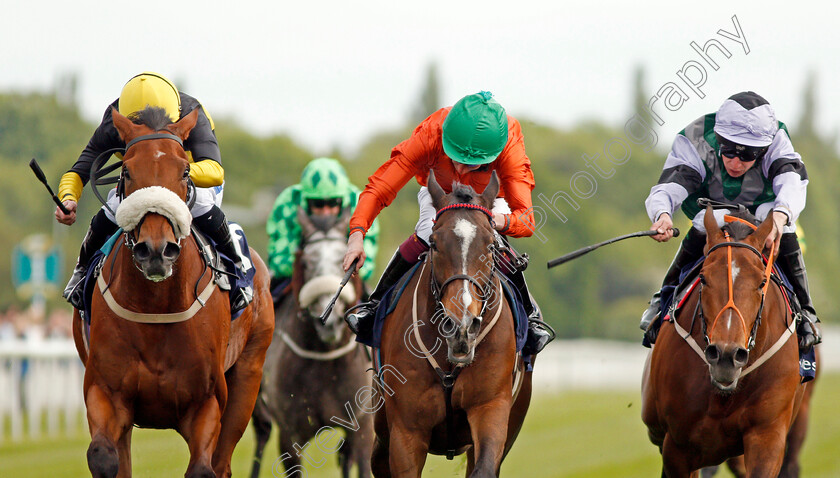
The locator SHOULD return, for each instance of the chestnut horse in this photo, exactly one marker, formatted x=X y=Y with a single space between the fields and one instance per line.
x=467 y=395
x=313 y=371
x=741 y=393
x=162 y=350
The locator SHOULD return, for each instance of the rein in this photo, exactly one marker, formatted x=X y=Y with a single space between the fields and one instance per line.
x=144 y=318
x=322 y=356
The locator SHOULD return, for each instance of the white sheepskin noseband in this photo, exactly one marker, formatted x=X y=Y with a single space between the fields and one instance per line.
x=155 y=199
x=321 y=285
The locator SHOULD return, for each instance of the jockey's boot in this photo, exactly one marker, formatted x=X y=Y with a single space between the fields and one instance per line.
x=215 y=226
x=360 y=317
x=793 y=265
x=101 y=228
x=539 y=332
x=691 y=249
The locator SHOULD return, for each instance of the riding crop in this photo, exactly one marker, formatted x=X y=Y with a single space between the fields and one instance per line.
x=585 y=250
x=346 y=278
x=41 y=177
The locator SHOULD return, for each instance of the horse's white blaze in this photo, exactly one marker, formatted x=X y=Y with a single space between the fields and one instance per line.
x=158 y=154
x=735 y=271
x=466 y=231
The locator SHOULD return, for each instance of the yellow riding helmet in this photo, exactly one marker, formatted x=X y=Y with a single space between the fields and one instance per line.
x=150 y=89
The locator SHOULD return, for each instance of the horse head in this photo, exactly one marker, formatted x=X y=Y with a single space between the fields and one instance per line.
x=322 y=252
x=154 y=181
x=734 y=281
x=461 y=248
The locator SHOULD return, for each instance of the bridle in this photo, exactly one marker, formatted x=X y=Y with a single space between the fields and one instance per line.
x=730 y=304
x=485 y=289
x=130 y=236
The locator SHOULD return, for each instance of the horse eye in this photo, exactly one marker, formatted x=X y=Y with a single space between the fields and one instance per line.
x=432 y=244
x=702 y=279
x=125 y=174
x=763 y=283
x=186 y=173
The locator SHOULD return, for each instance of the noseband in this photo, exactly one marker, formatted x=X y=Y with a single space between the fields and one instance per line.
x=486 y=288
x=730 y=304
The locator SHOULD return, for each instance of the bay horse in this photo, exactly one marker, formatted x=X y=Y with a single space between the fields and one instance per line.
x=741 y=393
x=461 y=397
x=313 y=371
x=162 y=349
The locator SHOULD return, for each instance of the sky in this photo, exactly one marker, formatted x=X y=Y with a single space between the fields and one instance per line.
x=330 y=74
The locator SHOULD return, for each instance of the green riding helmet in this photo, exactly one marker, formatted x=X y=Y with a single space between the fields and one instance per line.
x=325 y=178
x=476 y=129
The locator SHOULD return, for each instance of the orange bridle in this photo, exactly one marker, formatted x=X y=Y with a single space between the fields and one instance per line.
x=730 y=304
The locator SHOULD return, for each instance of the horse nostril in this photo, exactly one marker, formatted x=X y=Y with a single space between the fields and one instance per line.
x=742 y=356
x=712 y=353
x=475 y=325
x=142 y=252
x=447 y=327
x=171 y=251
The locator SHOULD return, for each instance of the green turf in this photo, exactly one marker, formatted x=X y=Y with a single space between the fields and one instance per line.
x=573 y=434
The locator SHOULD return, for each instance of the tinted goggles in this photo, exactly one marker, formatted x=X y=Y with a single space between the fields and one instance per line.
x=744 y=153
x=329 y=202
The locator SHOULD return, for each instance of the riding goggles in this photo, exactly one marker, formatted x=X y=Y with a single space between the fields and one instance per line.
x=745 y=154
x=329 y=202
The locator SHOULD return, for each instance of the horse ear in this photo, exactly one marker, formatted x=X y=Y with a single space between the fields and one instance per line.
x=306 y=226
x=183 y=127
x=713 y=233
x=344 y=218
x=436 y=191
x=758 y=237
x=123 y=125
x=491 y=191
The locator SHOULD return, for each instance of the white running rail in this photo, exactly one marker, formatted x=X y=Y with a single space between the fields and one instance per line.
x=40 y=379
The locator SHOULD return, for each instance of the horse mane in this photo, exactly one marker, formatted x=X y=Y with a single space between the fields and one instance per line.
x=154 y=117
x=463 y=194
x=738 y=230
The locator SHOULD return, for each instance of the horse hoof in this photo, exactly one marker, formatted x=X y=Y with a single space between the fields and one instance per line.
x=103 y=460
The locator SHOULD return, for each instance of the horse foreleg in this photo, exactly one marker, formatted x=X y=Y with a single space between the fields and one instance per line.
x=764 y=451
x=677 y=462
x=243 y=385
x=108 y=425
x=262 y=432
x=407 y=451
x=489 y=427
x=201 y=430
x=379 y=458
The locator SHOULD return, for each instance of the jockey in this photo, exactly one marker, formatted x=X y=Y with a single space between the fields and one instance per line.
x=741 y=155
x=151 y=89
x=324 y=191
x=463 y=143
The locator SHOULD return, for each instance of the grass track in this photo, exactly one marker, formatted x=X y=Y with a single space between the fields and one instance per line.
x=572 y=434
